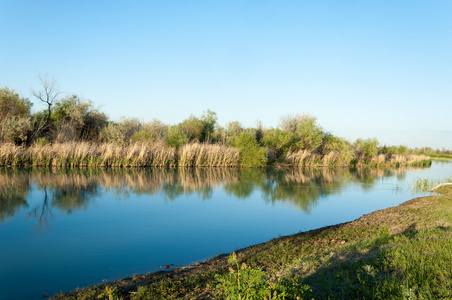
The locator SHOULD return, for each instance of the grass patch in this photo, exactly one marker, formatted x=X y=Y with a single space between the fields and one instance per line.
x=440 y=156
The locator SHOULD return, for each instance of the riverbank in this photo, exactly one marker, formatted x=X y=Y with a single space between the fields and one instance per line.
x=104 y=155
x=440 y=156
x=397 y=252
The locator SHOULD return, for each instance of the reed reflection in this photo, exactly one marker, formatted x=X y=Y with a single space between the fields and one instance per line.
x=70 y=190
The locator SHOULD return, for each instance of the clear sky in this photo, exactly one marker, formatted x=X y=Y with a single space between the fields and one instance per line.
x=364 y=68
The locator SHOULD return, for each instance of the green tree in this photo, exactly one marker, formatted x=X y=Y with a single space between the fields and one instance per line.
x=192 y=128
x=12 y=105
x=208 y=121
x=15 y=124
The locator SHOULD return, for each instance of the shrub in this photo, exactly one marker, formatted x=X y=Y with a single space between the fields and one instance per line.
x=15 y=129
x=366 y=149
x=175 y=138
x=12 y=105
x=309 y=133
x=192 y=128
x=305 y=131
x=233 y=129
x=251 y=155
x=335 y=151
x=277 y=140
x=120 y=133
x=150 y=132
x=76 y=119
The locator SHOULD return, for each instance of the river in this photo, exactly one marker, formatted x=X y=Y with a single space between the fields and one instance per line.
x=66 y=228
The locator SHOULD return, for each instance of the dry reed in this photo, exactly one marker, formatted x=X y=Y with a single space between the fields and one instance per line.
x=85 y=154
x=306 y=158
x=206 y=155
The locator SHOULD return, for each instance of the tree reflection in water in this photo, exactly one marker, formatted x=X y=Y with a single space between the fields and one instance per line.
x=14 y=186
x=69 y=190
x=42 y=213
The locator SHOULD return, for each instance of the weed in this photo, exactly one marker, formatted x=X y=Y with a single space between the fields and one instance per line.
x=243 y=282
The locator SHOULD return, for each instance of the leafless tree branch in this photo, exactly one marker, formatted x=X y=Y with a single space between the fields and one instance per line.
x=48 y=93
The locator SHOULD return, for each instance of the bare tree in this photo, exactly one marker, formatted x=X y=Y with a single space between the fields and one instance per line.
x=44 y=214
x=48 y=93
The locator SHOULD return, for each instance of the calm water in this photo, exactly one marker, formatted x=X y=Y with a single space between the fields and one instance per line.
x=63 y=229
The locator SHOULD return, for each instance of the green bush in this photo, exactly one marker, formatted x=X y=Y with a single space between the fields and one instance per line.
x=12 y=105
x=309 y=133
x=251 y=155
x=278 y=141
x=76 y=119
x=233 y=129
x=306 y=133
x=342 y=150
x=150 y=132
x=175 y=138
x=120 y=133
x=366 y=149
x=15 y=129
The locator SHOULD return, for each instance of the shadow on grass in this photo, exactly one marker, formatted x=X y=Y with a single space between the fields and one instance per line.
x=411 y=265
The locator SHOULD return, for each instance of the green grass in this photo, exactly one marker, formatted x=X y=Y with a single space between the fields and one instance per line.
x=440 y=156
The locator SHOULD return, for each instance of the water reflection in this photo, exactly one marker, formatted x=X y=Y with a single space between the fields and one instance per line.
x=69 y=190
x=13 y=193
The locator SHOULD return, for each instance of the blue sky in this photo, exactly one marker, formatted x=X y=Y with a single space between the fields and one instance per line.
x=364 y=68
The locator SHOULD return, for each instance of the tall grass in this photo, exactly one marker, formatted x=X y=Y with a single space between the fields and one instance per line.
x=306 y=158
x=303 y=158
x=158 y=154
x=206 y=155
x=425 y=185
x=85 y=154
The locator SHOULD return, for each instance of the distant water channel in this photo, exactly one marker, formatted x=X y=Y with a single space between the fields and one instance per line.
x=62 y=229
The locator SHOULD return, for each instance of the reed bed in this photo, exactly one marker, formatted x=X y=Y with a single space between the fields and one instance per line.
x=85 y=154
x=303 y=158
x=207 y=155
x=306 y=158
x=425 y=185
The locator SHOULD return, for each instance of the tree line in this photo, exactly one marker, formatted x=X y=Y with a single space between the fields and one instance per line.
x=69 y=118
